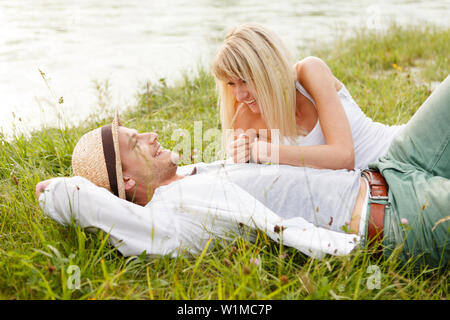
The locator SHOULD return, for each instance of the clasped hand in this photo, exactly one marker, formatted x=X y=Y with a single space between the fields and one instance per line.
x=244 y=148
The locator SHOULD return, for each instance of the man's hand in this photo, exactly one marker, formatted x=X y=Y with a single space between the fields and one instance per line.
x=40 y=187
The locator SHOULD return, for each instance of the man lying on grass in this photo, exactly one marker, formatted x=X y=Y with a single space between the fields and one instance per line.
x=402 y=203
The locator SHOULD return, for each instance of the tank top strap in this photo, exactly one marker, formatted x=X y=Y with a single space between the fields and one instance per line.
x=304 y=92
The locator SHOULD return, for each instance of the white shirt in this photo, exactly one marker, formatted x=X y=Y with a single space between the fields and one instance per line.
x=323 y=197
x=184 y=216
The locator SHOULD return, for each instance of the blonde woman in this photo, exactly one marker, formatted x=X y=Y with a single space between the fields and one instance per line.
x=319 y=124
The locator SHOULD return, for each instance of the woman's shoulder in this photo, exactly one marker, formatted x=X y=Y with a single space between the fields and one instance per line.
x=314 y=70
x=310 y=63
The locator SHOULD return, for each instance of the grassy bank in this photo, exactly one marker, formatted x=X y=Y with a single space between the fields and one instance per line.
x=389 y=76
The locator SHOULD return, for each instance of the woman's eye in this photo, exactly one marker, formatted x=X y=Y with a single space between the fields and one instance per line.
x=230 y=83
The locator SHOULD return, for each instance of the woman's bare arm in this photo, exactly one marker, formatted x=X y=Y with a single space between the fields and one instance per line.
x=338 y=152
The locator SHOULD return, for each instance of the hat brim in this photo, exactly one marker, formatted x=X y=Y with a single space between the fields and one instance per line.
x=115 y=134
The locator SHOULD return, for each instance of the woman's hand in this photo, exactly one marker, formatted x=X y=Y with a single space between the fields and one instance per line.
x=264 y=152
x=239 y=149
x=40 y=187
x=245 y=148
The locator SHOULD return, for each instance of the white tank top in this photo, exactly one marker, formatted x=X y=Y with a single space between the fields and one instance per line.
x=371 y=139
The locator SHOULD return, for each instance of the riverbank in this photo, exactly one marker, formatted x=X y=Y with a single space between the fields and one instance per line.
x=389 y=75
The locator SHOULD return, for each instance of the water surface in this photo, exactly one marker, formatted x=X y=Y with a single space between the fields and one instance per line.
x=121 y=44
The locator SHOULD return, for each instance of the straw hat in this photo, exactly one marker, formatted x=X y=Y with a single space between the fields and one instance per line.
x=96 y=157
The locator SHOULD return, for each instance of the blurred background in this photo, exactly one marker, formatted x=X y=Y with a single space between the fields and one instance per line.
x=61 y=60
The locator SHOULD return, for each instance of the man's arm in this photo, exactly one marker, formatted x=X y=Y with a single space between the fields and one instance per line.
x=220 y=206
x=185 y=217
x=132 y=228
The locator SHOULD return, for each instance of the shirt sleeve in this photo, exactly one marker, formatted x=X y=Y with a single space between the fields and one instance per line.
x=132 y=228
x=215 y=207
x=294 y=232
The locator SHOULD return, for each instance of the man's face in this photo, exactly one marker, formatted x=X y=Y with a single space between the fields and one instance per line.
x=143 y=158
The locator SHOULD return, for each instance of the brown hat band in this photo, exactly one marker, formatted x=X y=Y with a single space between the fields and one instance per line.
x=110 y=157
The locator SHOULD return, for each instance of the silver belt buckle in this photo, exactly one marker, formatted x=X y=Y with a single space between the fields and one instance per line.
x=379 y=197
x=384 y=200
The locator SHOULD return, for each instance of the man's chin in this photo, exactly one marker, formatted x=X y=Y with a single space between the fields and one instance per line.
x=174 y=157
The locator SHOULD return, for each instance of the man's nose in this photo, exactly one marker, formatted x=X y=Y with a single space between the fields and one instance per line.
x=151 y=137
x=154 y=137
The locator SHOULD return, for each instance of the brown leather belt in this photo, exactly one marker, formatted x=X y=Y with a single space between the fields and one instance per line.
x=378 y=198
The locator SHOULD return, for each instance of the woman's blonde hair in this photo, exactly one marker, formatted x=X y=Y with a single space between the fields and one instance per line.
x=256 y=55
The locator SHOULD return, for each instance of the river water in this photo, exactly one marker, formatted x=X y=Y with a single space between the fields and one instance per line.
x=54 y=53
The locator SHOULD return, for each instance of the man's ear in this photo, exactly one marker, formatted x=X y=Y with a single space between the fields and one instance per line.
x=129 y=183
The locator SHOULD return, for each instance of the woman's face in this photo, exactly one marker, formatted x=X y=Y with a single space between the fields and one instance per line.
x=243 y=94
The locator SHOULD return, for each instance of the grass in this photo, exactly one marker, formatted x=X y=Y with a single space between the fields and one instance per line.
x=389 y=75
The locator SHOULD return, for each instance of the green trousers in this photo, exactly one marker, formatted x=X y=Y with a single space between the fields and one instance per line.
x=417 y=170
